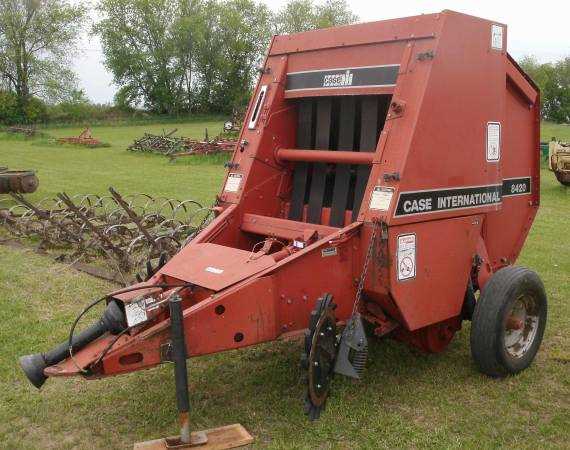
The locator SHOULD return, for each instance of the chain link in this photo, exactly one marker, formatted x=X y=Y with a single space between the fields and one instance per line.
x=365 y=267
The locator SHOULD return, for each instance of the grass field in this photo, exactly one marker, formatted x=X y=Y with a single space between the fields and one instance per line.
x=406 y=400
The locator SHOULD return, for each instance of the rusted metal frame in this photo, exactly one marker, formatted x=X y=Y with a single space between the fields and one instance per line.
x=134 y=217
x=118 y=252
x=282 y=228
x=145 y=341
x=46 y=216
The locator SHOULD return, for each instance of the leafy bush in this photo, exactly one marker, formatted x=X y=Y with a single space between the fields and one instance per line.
x=35 y=111
x=9 y=111
x=12 y=112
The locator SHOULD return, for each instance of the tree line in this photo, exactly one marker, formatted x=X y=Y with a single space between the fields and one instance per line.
x=171 y=56
x=198 y=55
x=553 y=79
x=166 y=56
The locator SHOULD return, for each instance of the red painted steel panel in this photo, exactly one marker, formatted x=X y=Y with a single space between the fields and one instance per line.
x=215 y=267
x=443 y=258
x=287 y=229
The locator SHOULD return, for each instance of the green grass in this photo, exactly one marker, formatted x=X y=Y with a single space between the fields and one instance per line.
x=76 y=169
x=559 y=131
x=406 y=400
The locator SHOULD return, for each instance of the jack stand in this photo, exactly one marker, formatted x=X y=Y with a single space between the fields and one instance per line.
x=230 y=436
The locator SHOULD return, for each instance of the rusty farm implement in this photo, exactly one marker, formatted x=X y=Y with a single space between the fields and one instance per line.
x=386 y=173
x=136 y=233
x=20 y=181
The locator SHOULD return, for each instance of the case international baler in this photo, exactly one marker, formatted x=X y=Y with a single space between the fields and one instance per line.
x=386 y=173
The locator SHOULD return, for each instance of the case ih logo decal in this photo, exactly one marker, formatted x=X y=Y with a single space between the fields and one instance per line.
x=349 y=77
x=342 y=79
x=423 y=202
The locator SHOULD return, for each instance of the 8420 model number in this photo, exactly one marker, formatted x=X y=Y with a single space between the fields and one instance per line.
x=519 y=188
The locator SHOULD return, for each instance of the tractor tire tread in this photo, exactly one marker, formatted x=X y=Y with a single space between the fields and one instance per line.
x=487 y=323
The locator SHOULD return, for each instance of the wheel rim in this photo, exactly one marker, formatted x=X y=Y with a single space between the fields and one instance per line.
x=521 y=326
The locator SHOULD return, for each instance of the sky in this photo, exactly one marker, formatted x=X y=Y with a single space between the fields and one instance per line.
x=540 y=29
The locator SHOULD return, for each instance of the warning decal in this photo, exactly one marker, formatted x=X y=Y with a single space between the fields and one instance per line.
x=381 y=198
x=493 y=141
x=233 y=182
x=496 y=37
x=406 y=256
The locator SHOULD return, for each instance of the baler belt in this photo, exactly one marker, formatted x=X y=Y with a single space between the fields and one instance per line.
x=322 y=142
x=368 y=140
x=342 y=175
x=304 y=140
x=343 y=124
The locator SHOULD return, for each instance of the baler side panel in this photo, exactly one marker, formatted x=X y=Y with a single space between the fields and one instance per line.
x=439 y=138
x=300 y=282
x=363 y=34
x=505 y=231
x=262 y=179
x=444 y=252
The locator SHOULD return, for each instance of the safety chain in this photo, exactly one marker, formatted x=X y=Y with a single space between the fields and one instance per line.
x=365 y=267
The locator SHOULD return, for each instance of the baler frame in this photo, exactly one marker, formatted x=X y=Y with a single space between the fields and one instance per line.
x=418 y=128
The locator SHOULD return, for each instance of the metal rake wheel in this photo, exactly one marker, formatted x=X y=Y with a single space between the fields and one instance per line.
x=319 y=357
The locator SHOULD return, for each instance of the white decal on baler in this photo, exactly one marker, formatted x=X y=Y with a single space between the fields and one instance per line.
x=338 y=80
x=381 y=198
x=406 y=256
x=496 y=37
x=136 y=312
x=493 y=141
x=233 y=182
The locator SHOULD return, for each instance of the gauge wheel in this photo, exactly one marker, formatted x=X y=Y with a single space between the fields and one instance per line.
x=564 y=179
x=508 y=322
x=319 y=355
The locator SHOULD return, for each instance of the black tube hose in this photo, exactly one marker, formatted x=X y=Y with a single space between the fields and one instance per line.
x=113 y=321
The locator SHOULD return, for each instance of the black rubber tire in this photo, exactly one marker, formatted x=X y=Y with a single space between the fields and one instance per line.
x=488 y=323
x=561 y=179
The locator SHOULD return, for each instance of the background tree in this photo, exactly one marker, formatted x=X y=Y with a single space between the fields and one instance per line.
x=146 y=44
x=303 y=15
x=230 y=45
x=37 y=41
x=296 y=16
x=334 y=13
x=181 y=55
x=553 y=79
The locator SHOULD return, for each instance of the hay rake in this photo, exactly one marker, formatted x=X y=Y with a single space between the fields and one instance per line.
x=137 y=233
